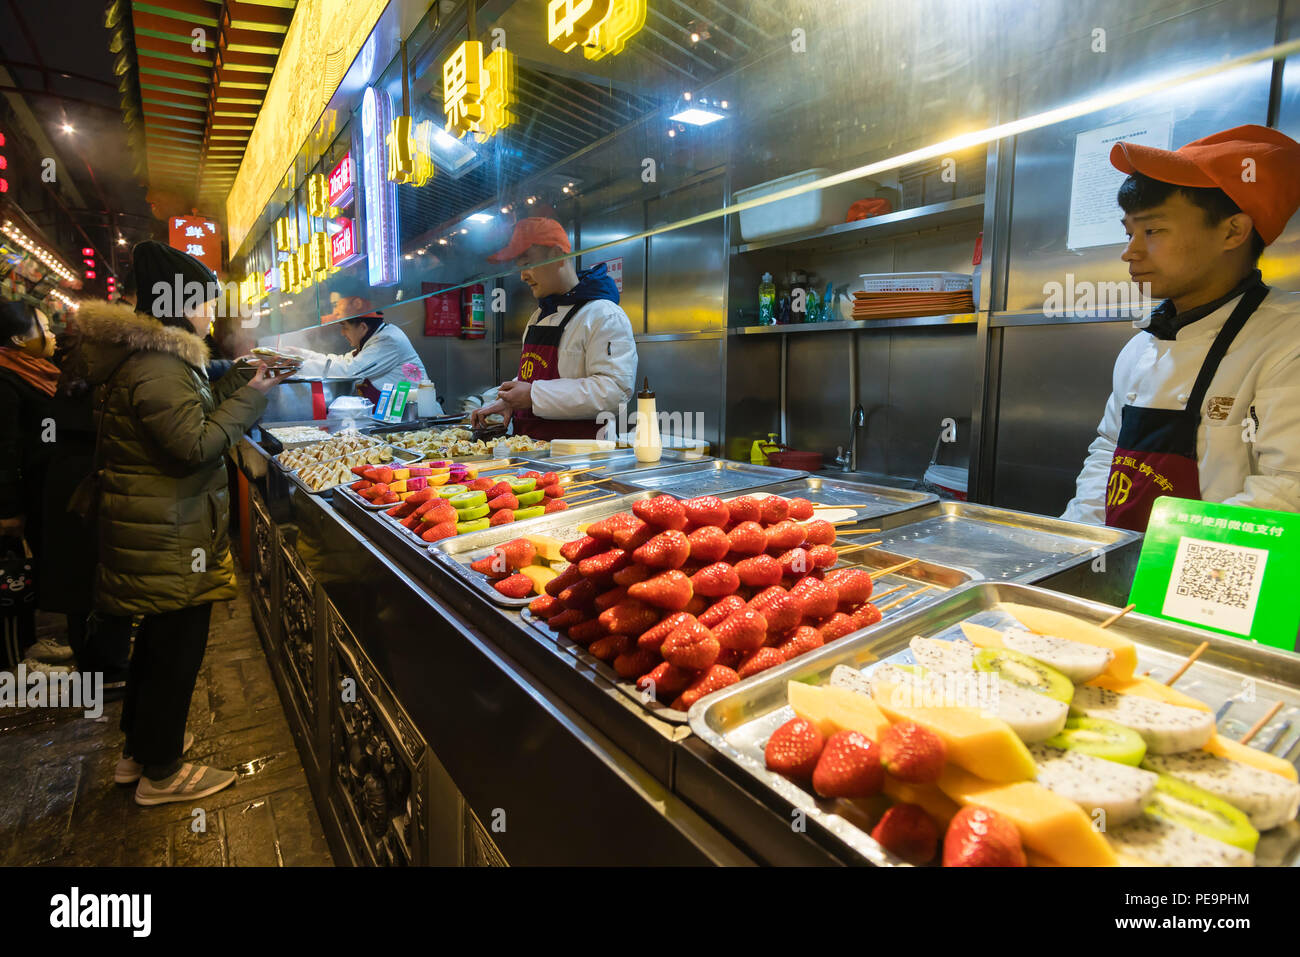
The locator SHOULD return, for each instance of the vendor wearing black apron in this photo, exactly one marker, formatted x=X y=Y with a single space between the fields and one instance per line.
x=1206 y=401
x=578 y=358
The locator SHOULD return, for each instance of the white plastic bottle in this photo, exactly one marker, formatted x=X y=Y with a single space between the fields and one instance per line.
x=648 y=446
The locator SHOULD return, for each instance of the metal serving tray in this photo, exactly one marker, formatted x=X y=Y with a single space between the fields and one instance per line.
x=996 y=543
x=709 y=477
x=870 y=500
x=614 y=462
x=283 y=468
x=737 y=721
x=400 y=457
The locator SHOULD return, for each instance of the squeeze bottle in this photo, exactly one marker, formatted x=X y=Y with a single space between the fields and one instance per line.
x=646 y=443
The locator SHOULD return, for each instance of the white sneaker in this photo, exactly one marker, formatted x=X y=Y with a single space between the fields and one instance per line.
x=190 y=783
x=45 y=667
x=49 y=650
x=128 y=769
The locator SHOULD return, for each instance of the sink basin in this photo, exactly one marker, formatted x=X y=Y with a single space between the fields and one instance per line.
x=873 y=478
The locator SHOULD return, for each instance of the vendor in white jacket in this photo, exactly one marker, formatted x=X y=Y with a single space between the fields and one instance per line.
x=579 y=357
x=1205 y=402
x=380 y=354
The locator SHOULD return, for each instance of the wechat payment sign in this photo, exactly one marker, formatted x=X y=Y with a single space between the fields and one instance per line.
x=1226 y=568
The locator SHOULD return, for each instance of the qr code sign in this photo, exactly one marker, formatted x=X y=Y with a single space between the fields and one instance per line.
x=1215 y=584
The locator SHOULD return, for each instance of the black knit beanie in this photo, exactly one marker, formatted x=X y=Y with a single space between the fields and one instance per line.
x=153 y=263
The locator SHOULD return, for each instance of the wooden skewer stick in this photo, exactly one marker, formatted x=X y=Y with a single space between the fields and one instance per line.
x=893 y=568
x=908 y=597
x=855 y=505
x=1117 y=616
x=571 y=485
x=856 y=531
x=590 y=468
x=1259 y=725
x=600 y=498
x=885 y=594
x=1200 y=650
x=849 y=548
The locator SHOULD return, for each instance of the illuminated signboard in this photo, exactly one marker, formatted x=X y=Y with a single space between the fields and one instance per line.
x=270 y=281
x=319 y=255
x=410 y=153
x=343 y=245
x=318 y=204
x=286 y=234
x=380 y=192
x=4 y=165
x=600 y=27
x=340 y=183
x=198 y=236
x=476 y=92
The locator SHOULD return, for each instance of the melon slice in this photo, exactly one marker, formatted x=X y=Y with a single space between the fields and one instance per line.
x=1245 y=754
x=540 y=575
x=1049 y=824
x=976 y=741
x=927 y=797
x=1145 y=687
x=548 y=548
x=1047 y=622
x=836 y=709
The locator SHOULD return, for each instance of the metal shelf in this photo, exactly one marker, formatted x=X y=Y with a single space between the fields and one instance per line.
x=966 y=209
x=856 y=325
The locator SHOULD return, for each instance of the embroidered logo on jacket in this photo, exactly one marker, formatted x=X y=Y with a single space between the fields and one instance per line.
x=1217 y=407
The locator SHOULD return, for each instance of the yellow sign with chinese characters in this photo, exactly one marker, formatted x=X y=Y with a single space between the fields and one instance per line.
x=410 y=156
x=318 y=193
x=302 y=266
x=251 y=289
x=477 y=91
x=286 y=233
x=600 y=27
x=319 y=254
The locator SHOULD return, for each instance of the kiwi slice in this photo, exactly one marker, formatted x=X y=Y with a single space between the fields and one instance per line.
x=468 y=499
x=531 y=498
x=530 y=512
x=471 y=513
x=478 y=525
x=447 y=491
x=518 y=485
x=1181 y=803
x=1100 y=738
x=1028 y=673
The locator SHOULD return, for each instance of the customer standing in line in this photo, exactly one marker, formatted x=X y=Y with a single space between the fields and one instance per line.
x=163 y=502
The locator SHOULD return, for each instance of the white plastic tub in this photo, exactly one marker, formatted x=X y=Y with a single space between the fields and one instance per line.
x=815 y=209
x=915 y=282
x=948 y=479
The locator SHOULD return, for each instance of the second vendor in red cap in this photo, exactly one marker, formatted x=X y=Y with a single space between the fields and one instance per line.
x=1205 y=402
x=578 y=357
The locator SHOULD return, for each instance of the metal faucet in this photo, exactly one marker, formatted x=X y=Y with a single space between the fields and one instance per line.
x=848 y=461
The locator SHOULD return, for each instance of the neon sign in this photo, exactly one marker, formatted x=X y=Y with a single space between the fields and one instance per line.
x=343 y=245
x=340 y=182
x=600 y=27
x=381 y=193
x=317 y=198
x=476 y=91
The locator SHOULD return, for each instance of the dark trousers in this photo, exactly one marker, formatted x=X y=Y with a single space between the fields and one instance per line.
x=164 y=666
x=103 y=645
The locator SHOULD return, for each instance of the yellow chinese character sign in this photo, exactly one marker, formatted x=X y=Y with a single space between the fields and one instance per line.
x=600 y=27
x=410 y=156
x=317 y=195
x=477 y=90
x=286 y=233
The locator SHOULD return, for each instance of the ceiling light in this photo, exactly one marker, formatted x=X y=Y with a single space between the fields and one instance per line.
x=697 y=117
x=68 y=128
x=504 y=210
x=695 y=38
x=481 y=217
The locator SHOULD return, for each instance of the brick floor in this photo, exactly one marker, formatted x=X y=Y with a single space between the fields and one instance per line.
x=59 y=805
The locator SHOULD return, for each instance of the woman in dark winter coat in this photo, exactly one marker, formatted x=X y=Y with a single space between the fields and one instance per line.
x=27 y=381
x=163 y=510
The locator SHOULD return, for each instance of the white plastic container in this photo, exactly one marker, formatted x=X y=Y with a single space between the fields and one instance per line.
x=915 y=282
x=815 y=209
x=952 y=479
x=426 y=398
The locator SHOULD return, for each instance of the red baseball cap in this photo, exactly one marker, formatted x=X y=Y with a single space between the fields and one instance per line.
x=1267 y=189
x=534 y=231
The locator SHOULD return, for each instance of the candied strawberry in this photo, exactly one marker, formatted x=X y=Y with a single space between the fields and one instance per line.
x=709 y=544
x=609 y=647
x=631 y=574
x=819 y=532
x=820 y=599
x=629 y=617
x=436 y=533
x=516 y=586
x=668 y=549
x=635 y=662
x=782 y=610
x=554 y=491
x=361 y=485
x=631 y=537
x=402 y=509
x=748 y=538
x=567 y=618
x=601 y=568
x=420 y=496
x=413 y=523
x=759 y=660
x=578 y=595
x=662 y=511
x=670 y=590
x=800 y=509
x=605 y=528
x=570 y=576
x=690 y=645
x=744 y=631
x=480 y=485
x=853 y=584
x=823 y=556
x=580 y=548
x=516 y=553
x=548 y=478
x=793 y=749
x=836 y=626
x=759 y=571
x=865 y=615
x=697 y=604
x=720 y=610
x=707 y=510
x=906 y=831
x=493 y=566
x=803 y=639
x=530 y=475
x=503 y=501
x=745 y=509
x=775 y=509
x=716 y=678
x=784 y=536
x=978 y=837
x=796 y=562
x=544 y=606
x=848 y=767
x=665 y=681
x=913 y=753
x=502 y=516
x=608 y=599
x=654 y=637
x=715 y=581
x=556 y=505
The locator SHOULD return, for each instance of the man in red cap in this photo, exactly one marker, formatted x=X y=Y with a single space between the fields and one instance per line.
x=579 y=357
x=1205 y=402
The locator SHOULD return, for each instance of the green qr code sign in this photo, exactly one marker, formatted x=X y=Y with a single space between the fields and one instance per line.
x=1227 y=568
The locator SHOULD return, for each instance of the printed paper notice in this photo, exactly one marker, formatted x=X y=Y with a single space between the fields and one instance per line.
x=1094 y=214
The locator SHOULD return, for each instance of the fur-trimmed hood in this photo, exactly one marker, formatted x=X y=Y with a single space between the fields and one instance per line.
x=105 y=332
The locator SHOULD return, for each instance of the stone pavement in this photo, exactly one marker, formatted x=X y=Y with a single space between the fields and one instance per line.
x=59 y=805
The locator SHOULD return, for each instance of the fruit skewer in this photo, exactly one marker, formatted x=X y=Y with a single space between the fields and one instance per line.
x=881 y=573
x=908 y=597
x=888 y=592
x=1259 y=725
x=573 y=485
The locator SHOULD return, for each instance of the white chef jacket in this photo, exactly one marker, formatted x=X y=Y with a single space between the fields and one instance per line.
x=380 y=359
x=1258 y=378
x=597 y=363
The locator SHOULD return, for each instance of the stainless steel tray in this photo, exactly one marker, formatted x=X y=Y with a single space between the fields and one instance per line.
x=737 y=721
x=615 y=462
x=284 y=468
x=400 y=457
x=996 y=543
x=870 y=500
x=709 y=477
